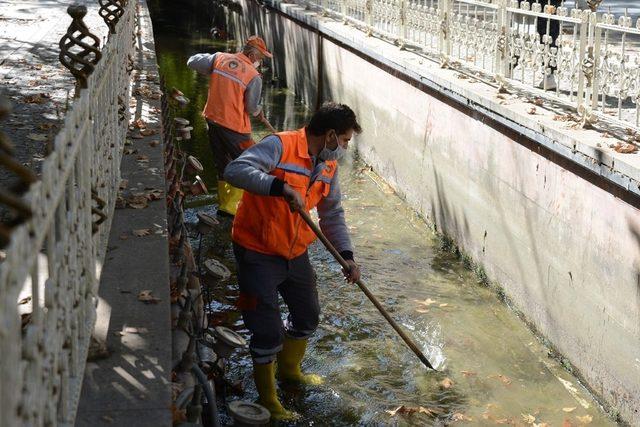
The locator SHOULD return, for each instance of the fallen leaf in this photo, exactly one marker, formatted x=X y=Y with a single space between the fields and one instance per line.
x=128 y=151
x=566 y=423
x=426 y=302
x=446 y=383
x=528 y=418
x=532 y=110
x=38 y=98
x=142 y=232
x=569 y=409
x=408 y=410
x=37 y=137
x=148 y=132
x=142 y=158
x=46 y=126
x=140 y=124
x=421 y=310
x=179 y=415
x=138 y=201
x=460 y=417
x=625 y=148
x=107 y=418
x=24 y=300
x=470 y=374
x=124 y=236
x=586 y=419
x=443 y=305
x=155 y=194
x=146 y=297
x=154 y=143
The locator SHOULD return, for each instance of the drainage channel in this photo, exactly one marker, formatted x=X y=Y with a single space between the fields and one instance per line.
x=491 y=369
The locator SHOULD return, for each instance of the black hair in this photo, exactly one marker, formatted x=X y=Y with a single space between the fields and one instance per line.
x=335 y=116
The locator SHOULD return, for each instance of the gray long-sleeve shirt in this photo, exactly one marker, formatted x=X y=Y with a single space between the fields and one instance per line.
x=203 y=64
x=251 y=171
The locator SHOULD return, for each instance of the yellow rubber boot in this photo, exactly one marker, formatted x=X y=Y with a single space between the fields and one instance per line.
x=265 y=378
x=289 y=360
x=228 y=198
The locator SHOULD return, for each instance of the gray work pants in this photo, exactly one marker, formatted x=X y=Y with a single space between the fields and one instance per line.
x=261 y=279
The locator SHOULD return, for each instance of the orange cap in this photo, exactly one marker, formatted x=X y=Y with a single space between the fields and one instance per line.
x=258 y=43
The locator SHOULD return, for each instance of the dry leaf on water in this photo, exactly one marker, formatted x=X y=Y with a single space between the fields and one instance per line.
x=124 y=236
x=142 y=232
x=146 y=297
x=528 y=418
x=460 y=417
x=426 y=302
x=142 y=158
x=586 y=419
x=37 y=137
x=446 y=383
x=154 y=143
x=408 y=410
x=569 y=409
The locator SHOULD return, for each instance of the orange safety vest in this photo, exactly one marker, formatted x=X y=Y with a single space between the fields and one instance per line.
x=265 y=224
x=231 y=74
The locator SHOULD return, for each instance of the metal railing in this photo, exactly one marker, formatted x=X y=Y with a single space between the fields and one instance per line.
x=50 y=273
x=589 y=61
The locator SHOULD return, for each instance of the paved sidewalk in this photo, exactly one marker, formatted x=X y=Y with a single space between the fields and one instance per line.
x=31 y=76
x=131 y=385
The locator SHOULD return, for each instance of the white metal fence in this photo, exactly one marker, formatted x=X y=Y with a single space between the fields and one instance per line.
x=49 y=278
x=591 y=61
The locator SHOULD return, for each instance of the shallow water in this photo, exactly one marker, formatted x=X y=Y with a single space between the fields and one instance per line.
x=491 y=368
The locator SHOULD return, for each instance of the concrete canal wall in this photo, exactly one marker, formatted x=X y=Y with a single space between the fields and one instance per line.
x=547 y=210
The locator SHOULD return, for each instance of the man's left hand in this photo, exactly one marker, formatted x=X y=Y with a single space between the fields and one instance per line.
x=351 y=275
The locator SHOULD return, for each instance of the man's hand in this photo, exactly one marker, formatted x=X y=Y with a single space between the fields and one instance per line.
x=295 y=200
x=353 y=274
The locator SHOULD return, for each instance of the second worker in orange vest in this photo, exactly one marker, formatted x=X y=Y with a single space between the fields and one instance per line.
x=235 y=88
x=286 y=172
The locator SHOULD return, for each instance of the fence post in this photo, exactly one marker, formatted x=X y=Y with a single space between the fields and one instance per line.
x=111 y=11
x=444 y=45
x=368 y=17
x=586 y=67
x=596 y=35
x=79 y=49
x=402 y=27
x=343 y=11
x=501 y=59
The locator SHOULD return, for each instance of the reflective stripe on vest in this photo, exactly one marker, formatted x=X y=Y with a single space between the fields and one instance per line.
x=264 y=223
x=231 y=74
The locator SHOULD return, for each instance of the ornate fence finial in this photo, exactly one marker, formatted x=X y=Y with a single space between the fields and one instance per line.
x=79 y=49
x=111 y=11
x=20 y=211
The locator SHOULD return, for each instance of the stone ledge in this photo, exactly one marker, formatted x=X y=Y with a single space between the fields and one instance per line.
x=586 y=148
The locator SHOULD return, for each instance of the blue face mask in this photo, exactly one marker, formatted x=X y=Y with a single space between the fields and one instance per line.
x=326 y=154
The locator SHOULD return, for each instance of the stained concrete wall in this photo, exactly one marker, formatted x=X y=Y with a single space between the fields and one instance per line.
x=531 y=204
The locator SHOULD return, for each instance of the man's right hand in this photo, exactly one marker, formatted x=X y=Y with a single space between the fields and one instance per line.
x=295 y=200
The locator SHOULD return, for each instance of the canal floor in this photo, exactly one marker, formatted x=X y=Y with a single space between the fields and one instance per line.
x=492 y=369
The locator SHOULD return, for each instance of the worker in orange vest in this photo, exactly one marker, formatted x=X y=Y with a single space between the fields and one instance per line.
x=235 y=88
x=284 y=173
